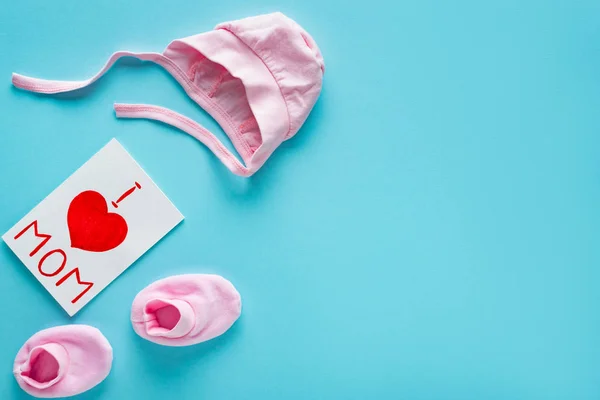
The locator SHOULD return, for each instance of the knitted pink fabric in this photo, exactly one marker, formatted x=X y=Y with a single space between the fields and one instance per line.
x=185 y=309
x=63 y=361
x=258 y=77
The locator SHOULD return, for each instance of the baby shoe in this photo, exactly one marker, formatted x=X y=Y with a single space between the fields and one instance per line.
x=63 y=361
x=182 y=310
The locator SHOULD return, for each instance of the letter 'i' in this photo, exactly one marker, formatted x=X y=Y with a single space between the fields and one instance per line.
x=124 y=195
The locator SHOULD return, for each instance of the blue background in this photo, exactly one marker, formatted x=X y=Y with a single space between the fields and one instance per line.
x=431 y=233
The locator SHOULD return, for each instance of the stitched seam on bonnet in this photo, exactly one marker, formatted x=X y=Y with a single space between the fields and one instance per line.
x=273 y=75
x=211 y=103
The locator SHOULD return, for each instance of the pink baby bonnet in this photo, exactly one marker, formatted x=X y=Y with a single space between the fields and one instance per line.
x=258 y=77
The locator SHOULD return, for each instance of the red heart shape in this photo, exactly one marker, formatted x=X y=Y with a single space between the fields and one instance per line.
x=91 y=226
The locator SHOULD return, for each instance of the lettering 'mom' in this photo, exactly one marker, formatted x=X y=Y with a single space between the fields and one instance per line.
x=45 y=238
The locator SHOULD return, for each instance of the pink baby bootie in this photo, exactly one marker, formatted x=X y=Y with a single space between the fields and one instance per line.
x=183 y=310
x=63 y=361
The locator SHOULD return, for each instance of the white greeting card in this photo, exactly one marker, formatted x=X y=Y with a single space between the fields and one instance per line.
x=92 y=227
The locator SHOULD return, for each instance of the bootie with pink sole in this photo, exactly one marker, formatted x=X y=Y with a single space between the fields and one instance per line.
x=183 y=310
x=63 y=361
